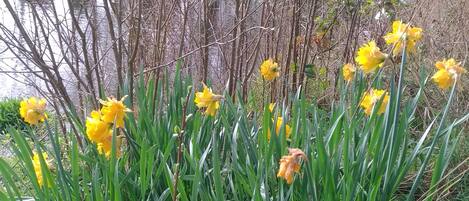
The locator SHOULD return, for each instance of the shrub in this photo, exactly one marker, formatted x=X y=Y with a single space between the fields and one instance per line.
x=10 y=115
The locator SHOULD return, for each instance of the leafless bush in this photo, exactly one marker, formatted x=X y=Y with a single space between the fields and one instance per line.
x=83 y=49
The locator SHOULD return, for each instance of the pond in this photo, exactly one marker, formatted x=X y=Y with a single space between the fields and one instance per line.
x=18 y=81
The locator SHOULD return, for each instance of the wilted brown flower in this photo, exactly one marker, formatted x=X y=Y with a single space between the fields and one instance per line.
x=290 y=164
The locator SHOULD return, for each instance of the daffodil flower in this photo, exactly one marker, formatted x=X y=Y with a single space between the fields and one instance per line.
x=370 y=57
x=207 y=99
x=372 y=97
x=33 y=110
x=270 y=70
x=290 y=164
x=448 y=71
x=403 y=33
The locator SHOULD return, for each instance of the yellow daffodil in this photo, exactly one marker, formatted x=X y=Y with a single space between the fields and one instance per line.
x=443 y=79
x=448 y=71
x=207 y=99
x=105 y=146
x=97 y=130
x=348 y=71
x=277 y=128
x=114 y=111
x=370 y=57
x=100 y=133
x=33 y=110
x=270 y=70
x=371 y=98
x=290 y=164
x=37 y=167
x=403 y=32
x=99 y=125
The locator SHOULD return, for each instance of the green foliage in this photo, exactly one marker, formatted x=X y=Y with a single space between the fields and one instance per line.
x=10 y=115
x=309 y=70
x=351 y=156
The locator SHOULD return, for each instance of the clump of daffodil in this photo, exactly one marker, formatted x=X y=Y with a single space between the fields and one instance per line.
x=369 y=57
x=99 y=125
x=114 y=111
x=277 y=129
x=207 y=99
x=371 y=98
x=403 y=33
x=290 y=164
x=37 y=167
x=33 y=110
x=270 y=70
x=348 y=71
x=97 y=130
x=448 y=71
x=105 y=146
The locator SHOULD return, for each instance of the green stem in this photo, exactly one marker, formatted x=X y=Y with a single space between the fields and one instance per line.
x=395 y=120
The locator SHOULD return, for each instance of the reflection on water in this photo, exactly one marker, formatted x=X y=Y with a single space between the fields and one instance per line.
x=15 y=78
